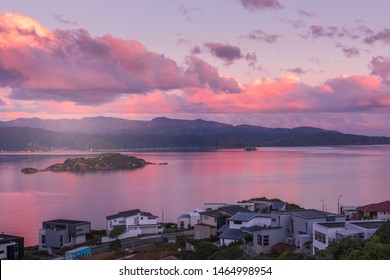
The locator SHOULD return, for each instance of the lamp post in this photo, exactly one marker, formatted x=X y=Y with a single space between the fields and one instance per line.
x=338 y=203
x=323 y=204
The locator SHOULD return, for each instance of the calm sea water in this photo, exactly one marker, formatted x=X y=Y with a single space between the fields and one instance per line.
x=301 y=175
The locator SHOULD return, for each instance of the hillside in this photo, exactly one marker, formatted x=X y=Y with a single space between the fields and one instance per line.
x=102 y=133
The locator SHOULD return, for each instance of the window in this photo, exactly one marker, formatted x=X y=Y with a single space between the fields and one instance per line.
x=237 y=222
x=319 y=236
x=1 y=252
x=181 y=224
x=206 y=217
x=43 y=239
x=61 y=241
x=266 y=240
x=260 y=239
x=47 y=226
x=316 y=250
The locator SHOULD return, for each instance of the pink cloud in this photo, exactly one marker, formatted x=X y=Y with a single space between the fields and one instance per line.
x=72 y=65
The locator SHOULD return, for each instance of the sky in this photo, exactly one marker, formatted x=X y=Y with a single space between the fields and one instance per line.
x=274 y=63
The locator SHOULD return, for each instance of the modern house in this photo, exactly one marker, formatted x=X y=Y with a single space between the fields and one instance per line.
x=325 y=233
x=380 y=211
x=134 y=222
x=189 y=219
x=11 y=247
x=291 y=227
x=211 y=221
x=56 y=234
x=240 y=224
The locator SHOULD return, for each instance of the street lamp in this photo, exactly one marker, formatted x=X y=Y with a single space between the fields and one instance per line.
x=323 y=204
x=338 y=203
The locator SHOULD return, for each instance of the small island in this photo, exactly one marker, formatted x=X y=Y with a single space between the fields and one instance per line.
x=106 y=161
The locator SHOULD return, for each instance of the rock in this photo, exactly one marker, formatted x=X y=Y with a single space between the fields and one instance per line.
x=29 y=170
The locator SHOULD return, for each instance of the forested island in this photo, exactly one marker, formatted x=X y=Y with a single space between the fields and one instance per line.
x=106 y=161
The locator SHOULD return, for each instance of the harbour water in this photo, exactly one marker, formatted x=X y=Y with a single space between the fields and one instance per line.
x=313 y=177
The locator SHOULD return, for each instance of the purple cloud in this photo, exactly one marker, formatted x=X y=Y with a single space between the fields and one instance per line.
x=251 y=58
x=253 y=5
x=260 y=35
x=226 y=52
x=60 y=18
x=351 y=52
x=297 y=70
x=380 y=66
x=196 y=50
x=383 y=36
x=303 y=13
x=187 y=12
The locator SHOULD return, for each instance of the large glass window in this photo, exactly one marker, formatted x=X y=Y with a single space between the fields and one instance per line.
x=319 y=236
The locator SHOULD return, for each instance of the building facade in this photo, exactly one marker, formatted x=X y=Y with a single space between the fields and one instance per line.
x=11 y=247
x=56 y=234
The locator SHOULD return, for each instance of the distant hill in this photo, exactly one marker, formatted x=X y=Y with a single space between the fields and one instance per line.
x=102 y=133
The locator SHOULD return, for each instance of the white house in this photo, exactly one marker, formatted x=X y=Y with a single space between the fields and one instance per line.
x=189 y=219
x=135 y=223
x=325 y=233
x=292 y=227
x=237 y=226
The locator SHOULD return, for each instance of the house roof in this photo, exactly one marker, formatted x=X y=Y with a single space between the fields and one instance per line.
x=5 y=238
x=258 y=228
x=247 y=216
x=68 y=222
x=278 y=205
x=348 y=232
x=130 y=213
x=234 y=209
x=383 y=206
x=312 y=214
x=368 y=224
x=333 y=224
x=235 y=234
x=223 y=228
x=213 y=213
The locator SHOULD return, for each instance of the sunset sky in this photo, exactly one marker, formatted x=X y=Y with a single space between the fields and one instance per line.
x=275 y=63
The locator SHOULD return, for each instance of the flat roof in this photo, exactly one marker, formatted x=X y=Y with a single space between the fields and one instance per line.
x=247 y=216
x=5 y=238
x=333 y=224
x=368 y=224
x=64 y=221
x=313 y=214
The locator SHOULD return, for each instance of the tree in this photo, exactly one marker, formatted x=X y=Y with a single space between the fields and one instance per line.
x=383 y=232
x=116 y=232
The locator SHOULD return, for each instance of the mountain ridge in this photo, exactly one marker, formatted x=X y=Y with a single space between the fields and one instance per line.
x=107 y=133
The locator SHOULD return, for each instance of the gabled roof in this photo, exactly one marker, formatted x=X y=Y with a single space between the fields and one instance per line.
x=130 y=213
x=383 y=206
x=247 y=216
x=223 y=228
x=235 y=234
